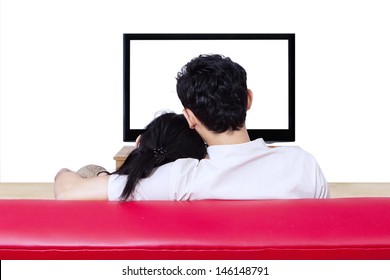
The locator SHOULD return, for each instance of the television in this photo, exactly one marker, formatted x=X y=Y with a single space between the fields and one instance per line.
x=151 y=63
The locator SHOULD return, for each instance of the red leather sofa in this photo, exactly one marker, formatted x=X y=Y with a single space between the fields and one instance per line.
x=344 y=228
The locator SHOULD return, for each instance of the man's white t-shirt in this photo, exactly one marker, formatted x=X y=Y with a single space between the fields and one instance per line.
x=242 y=171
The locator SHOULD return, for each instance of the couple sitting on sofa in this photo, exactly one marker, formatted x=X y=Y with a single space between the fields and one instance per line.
x=171 y=161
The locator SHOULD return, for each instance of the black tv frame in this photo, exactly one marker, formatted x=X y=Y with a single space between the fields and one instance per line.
x=269 y=135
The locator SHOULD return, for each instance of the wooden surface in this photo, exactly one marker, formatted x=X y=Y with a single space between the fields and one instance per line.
x=26 y=191
x=337 y=190
x=122 y=155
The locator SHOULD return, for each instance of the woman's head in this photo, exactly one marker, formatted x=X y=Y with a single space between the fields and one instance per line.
x=166 y=139
x=169 y=138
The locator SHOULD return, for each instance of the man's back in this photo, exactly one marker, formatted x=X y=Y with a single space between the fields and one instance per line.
x=249 y=171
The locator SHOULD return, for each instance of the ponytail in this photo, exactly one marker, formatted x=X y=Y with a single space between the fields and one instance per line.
x=139 y=164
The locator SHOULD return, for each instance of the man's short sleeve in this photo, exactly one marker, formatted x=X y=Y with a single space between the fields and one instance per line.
x=322 y=189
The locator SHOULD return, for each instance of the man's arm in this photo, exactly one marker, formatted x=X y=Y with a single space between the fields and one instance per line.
x=322 y=185
x=69 y=185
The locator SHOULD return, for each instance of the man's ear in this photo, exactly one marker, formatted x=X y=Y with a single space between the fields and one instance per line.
x=137 y=141
x=190 y=117
x=250 y=99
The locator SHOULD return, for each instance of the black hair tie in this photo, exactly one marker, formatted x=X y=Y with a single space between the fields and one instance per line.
x=160 y=154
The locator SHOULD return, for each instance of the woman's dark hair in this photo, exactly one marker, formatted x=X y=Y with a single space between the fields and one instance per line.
x=214 y=88
x=166 y=139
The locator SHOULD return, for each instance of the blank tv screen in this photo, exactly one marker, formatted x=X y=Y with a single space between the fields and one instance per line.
x=152 y=61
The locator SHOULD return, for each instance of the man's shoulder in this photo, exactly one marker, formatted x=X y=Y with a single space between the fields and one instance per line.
x=184 y=164
x=293 y=150
x=296 y=153
x=282 y=154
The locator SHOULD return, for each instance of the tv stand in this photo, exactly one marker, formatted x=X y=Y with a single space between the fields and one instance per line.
x=121 y=156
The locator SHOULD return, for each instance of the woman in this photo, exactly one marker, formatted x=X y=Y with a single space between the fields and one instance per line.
x=166 y=139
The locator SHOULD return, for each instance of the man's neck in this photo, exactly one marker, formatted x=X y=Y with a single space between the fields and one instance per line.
x=226 y=138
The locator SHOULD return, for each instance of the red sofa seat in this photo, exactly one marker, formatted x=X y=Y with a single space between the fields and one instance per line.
x=348 y=228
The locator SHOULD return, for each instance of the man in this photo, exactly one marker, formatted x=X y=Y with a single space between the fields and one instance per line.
x=214 y=94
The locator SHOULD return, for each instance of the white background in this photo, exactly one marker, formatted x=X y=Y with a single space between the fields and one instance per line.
x=61 y=77
x=277 y=270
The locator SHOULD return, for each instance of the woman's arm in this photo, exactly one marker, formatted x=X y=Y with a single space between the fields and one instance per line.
x=69 y=185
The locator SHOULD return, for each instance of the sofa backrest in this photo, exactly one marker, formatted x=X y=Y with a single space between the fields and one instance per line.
x=348 y=228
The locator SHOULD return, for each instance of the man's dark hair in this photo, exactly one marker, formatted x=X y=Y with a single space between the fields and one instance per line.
x=214 y=88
